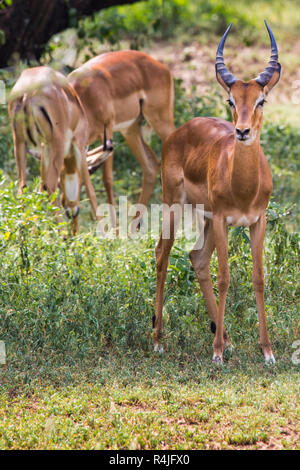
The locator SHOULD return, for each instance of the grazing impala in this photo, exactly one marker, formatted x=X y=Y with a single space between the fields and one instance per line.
x=49 y=121
x=117 y=89
x=221 y=165
x=111 y=92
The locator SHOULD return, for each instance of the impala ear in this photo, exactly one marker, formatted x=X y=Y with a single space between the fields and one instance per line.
x=273 y=81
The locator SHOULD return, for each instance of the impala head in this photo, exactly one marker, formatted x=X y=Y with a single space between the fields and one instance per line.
x=70 y=182
x=246 y=99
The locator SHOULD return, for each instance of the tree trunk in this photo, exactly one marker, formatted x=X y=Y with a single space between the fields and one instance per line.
x=29 y=24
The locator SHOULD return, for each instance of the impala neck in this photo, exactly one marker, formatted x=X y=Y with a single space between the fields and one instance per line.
x=244 y=170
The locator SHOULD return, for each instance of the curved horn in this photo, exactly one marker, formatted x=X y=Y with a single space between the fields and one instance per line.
x=273 y=65
x=227 y=77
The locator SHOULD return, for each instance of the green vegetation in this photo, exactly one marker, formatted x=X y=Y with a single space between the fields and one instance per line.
x=130 y=401
x=76 y=320
x=161 y=19
x=76 y=314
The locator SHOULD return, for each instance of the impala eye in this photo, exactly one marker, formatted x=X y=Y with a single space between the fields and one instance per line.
x=261 y=103
x=231 y=103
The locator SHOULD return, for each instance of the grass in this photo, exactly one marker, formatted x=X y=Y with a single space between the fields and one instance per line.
x=138 y=401
x=76 y=314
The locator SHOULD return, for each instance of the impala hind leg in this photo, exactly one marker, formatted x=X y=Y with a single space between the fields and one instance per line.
x=146 y=158
x=163 y=124
x=159 y=112
x=200 y=260
x=257 y=234
x=89 y=188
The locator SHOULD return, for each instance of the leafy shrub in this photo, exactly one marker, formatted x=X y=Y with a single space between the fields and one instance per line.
x=160 y=19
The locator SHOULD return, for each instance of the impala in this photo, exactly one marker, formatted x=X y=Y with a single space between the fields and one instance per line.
x=111 y=92
x=118 y=89
x=221 y=165
x=49 y=121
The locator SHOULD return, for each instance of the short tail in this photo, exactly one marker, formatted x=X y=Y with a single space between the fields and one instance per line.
x=96 y=157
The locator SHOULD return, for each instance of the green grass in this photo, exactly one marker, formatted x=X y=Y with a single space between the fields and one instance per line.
x=76 y=316
x=141 y=401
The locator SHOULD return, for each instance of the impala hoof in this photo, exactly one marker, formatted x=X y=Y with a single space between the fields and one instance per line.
x=218 y=360
x=268 y=354
x=72 y=213
x=109 y=145
x=269 y=359
x=158 y=348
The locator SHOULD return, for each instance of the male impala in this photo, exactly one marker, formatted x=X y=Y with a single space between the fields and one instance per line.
x=49 y=121
x=221 y=165
x=117 y=89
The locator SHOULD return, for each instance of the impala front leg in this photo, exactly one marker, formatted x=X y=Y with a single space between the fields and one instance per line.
x=200 y=260
x=221 y=241
x=172 y=214
x=257 y=234
x=107 y=177
x=18 y=124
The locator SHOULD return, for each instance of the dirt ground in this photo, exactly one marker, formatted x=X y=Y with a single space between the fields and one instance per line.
x=194 y=64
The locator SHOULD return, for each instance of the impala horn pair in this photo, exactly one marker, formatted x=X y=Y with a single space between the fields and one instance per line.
x=264 y=78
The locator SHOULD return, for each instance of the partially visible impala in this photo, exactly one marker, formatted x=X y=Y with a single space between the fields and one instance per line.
x=221 y=165
x=118 y=89
x=111 y=92
x=49 y=121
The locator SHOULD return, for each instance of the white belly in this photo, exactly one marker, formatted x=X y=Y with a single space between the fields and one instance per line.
x=123 y=125
x=237 y=220
x=242 y=220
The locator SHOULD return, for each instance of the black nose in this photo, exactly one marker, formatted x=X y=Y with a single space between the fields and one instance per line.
x=242 y=135
x=71 y=214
